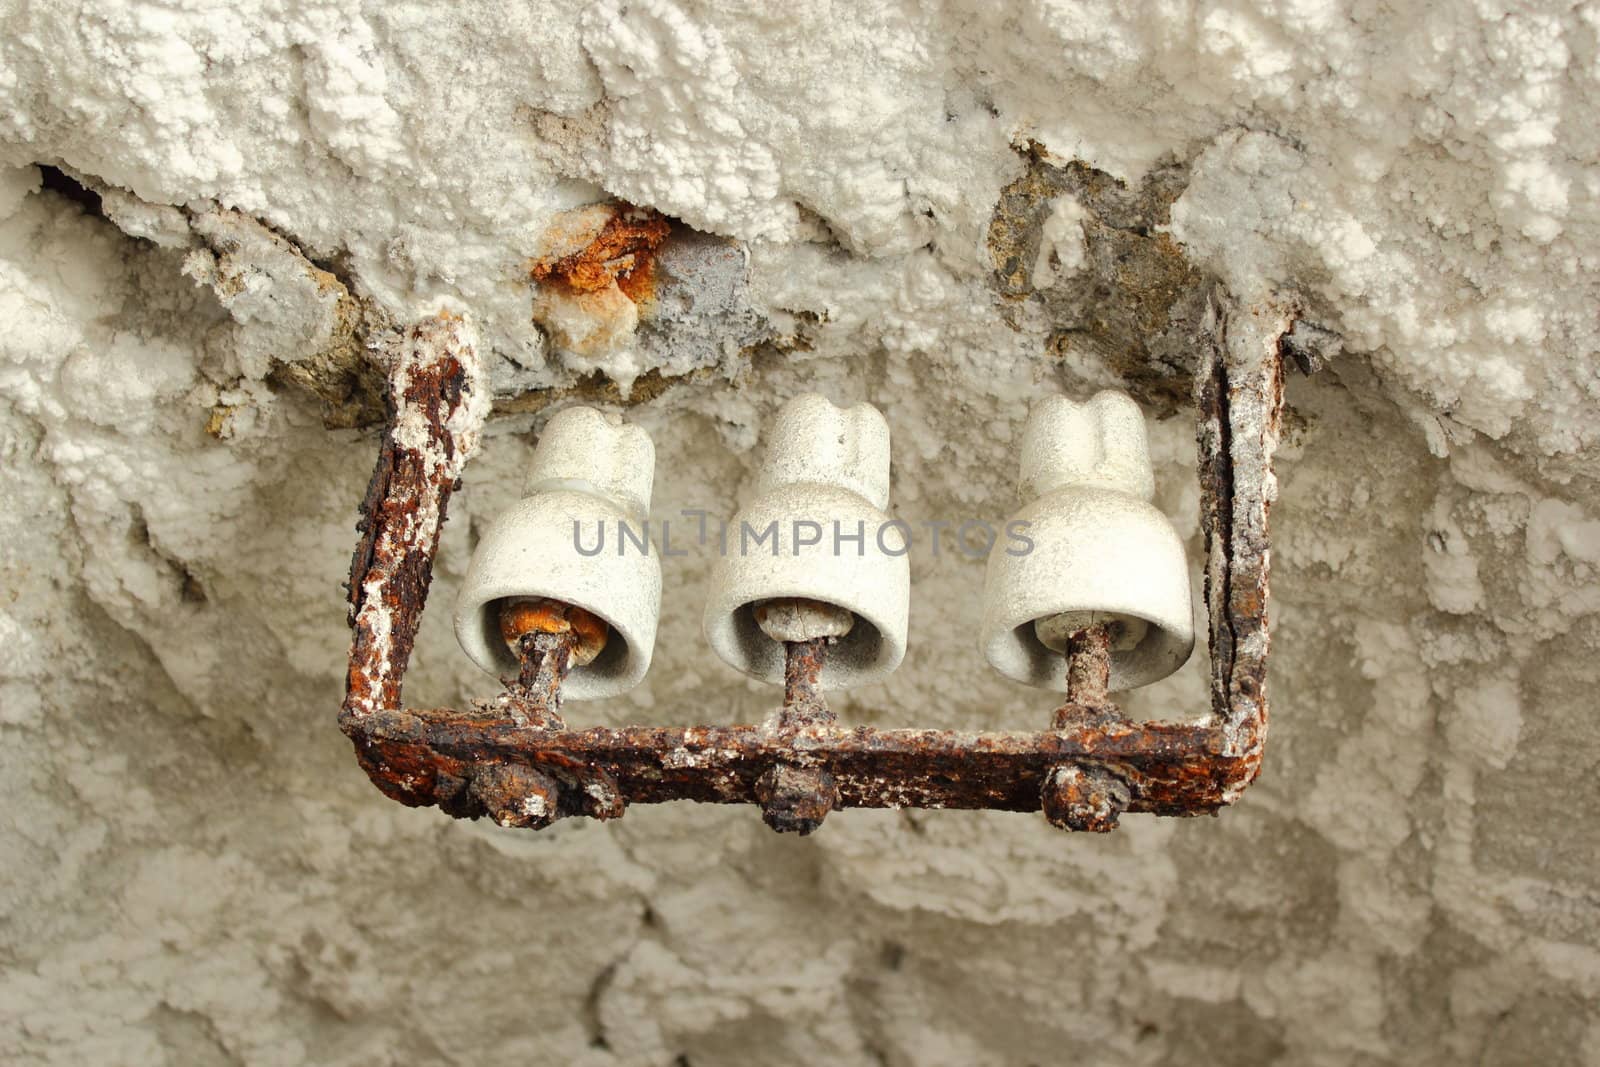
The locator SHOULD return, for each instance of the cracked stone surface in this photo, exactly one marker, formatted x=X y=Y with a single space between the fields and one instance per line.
x=209 y=212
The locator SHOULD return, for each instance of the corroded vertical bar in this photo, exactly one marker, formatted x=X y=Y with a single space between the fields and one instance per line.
x=438 y=402
x=1239 y=391
x=546 y=660
x=1085 y=796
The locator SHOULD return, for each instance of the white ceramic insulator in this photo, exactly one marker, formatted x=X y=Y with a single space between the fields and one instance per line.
x=1101 y=552
x=826 y=467
x=592 y=471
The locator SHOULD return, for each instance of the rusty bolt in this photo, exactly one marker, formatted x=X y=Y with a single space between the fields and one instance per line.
x=1077 y=797
x=795 y=800
x=514 y=795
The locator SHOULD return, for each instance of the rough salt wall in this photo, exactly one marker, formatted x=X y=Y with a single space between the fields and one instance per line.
x=196 y=871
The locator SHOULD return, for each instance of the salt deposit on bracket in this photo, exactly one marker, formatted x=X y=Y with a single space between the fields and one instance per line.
x=1411 y=880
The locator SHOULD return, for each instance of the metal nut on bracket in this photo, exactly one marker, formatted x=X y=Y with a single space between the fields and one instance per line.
x=514 y=795
x=601 y=796
x=1084 y=797
x=796 y=799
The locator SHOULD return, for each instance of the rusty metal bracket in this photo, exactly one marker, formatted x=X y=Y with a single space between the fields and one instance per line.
x=514 y=760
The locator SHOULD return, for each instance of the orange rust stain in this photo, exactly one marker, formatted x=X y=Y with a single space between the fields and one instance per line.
x=639 y=284
x=623 y=252
x=526 y=615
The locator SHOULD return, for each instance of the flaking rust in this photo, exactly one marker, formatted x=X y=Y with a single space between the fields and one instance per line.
x=596 y=275
x=437 y=402
x=515 y=761
x=622 y=253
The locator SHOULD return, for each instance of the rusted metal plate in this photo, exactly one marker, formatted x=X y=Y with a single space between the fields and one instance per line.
x=512 y=760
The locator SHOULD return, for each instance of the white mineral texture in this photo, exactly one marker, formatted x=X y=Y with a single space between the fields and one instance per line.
x=213 y=215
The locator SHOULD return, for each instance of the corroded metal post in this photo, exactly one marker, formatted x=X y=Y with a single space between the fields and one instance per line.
x=1086 y=796
x=1239 y=392
x=796 y=798
x=437 y=405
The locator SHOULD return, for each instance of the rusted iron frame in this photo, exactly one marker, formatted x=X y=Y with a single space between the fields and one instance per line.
x=514 y=760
